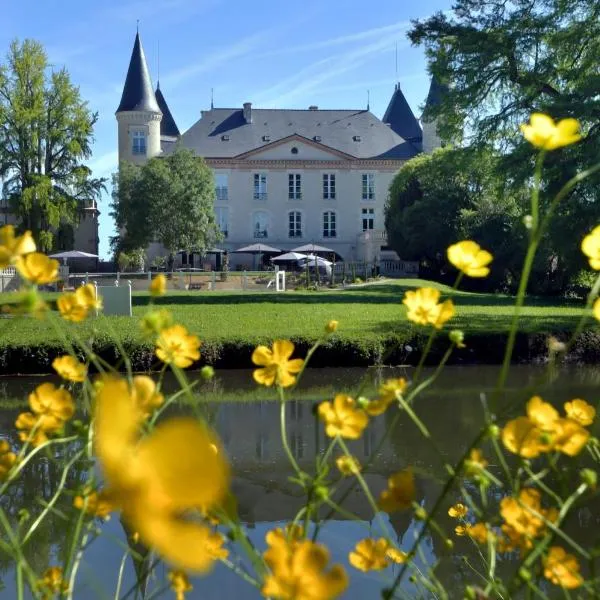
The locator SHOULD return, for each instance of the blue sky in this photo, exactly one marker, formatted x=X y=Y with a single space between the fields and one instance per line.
x=274 y=54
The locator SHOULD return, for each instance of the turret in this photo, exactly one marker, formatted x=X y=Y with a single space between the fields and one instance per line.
x=401 y=119
x=138 y=115
x=431 y=138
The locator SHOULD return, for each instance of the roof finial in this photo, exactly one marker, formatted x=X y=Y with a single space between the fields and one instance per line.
x=137 y=26
x=368 y=99
x=212 y=104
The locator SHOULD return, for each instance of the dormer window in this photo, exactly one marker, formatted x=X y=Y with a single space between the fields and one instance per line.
x=317 y=138
x=225 y=138
x=356 y=138
x=266 y=138
x=138 y=143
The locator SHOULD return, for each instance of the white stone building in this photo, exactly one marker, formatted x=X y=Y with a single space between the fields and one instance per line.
x=283 y=177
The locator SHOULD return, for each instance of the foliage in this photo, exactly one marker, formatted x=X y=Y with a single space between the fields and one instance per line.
x=132 y=260
x=46 y=132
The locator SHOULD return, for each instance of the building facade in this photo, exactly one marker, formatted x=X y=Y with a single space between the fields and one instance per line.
x=283 y=177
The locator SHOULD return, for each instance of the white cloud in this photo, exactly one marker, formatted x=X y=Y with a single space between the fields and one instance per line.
x=105 y=164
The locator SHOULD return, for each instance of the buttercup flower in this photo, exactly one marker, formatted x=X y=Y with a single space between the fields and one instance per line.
x=468 y=257
x=347 y=465
x=145 y=395
x=596 y=309
x=37 y=268
x=476 y=462
x=154 y=321
x=158 y=286
x=11 y=246
x=98 y=504
x=75 y=306
x=175 y=345
x=544 y=133
x=7 y=459
x=571 y=437
x=52 y=583
x=277 y=367
x=400 y=492
x=461 y=530
x=423 y=307
x=70 y=368
x=157 y=481
x=388 y=393
x=86 y=296
x=580 y=411
x=397 y=556
x=458 y=511
x=478 y=532
x=343 y=418
x=298 y=569
x=370 y=555
x=331 y=327
x=562 y=569
x=590 y=246
x=180 y=584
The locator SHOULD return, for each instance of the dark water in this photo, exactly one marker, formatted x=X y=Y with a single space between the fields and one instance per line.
x=451 y=409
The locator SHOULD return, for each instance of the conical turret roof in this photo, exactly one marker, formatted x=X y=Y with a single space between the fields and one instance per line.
x=167 y=123
x=137 y=92
x=401 y=118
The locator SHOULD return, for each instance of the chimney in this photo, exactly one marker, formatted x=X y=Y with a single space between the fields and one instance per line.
x=313 y=107
x=248 y=112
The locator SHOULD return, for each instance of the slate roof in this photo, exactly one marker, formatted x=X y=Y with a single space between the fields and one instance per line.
x=436 y=91
x=167 y=123
x=401 y=118
x=138 y=93
x=358 y=133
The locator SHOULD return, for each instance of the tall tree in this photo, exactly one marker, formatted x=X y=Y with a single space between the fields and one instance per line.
x=45 y=136
x=169 y=200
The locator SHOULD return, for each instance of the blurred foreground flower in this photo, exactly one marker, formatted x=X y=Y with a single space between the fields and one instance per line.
x=7 y=459
x=543 y=132
x=458 y=511
x=75 y=306
x=158 y=286
x=468 y=257
x=423 y=307
x=562 y=569
x=175 y=345
x=12 y=246
x=400 y=492
x=277 y=367
x=389 y=391
x=69 y=368
x=94 y=503
x=347 y=465
x=37 y=268
x=180 y=584
x=343 y=418
x=590 y=246
x=52 y=583
x=370 y=555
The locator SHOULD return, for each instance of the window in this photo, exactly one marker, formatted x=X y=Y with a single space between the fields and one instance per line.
x=368 y=186
x=294 y=224
x=294 y=186
x=260 y=186
x=329 y=230
x=368 y=218
x=222 y=218
x=138 y=143
x=221 y=186
x=260 y=224
x=329 y=186
x=294 y=150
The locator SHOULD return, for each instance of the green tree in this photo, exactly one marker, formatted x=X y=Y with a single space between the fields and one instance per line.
x=46 y=131
x=169 y=200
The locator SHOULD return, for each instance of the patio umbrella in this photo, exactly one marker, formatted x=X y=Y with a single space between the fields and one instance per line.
x=289 y=256
x=313 y=249
x=259 y=249
x=313 y=260
x=72 y=254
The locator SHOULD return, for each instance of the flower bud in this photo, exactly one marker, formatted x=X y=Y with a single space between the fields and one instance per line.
x=321 y=491
x=589 y=477
x=494 y=431
x=362 y=402
x=207 y=373
x=420 y=513
x=525 y=574
x=331 y=327
x=457 y=337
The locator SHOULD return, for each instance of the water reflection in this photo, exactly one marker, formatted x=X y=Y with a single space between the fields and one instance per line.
x=266 y=497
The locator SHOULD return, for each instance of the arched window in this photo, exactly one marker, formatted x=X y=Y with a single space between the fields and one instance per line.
x=294 y=224
x=260 y=224
x=329 y=224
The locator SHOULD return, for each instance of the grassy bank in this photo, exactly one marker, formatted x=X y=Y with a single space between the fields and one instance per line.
x=373 y=327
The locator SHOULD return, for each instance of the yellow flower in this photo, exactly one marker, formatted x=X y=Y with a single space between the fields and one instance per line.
x=86 y=296
x=423 y=307
x=52 y=582
x=388 y=392
x=562 y=569
x=341 y=417
x=98 y=504
x=542 y=414
x=478 y=532
x=580 y=411
x=145 y=395
x=70 y=368
x=400 y=492
x=276 y=364
x=475 y=463
x=70 y=309
x=544 y=133
x=154 y=321
x=298 y=569
x=175 y=345
x=7 y=459
x=157 y=481
x=458 y=511
x=370 y=555
x=180 y=584
x=461 y=530
x=571 y=438
x=348 y=465
x=11 y=246
x=468 y=257
x=37 y=268
x=590 y=246
x=158 y=286
x=522 y=437
x=397 y=556
x=331 y=327
x=596 y=309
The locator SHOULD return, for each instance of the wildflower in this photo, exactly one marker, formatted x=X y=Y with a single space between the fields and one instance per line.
x=400 y=492
x=388 y=392
x=596 y=309
x=298 y=569
x=562 y=569
x=580 y=411
x=68 y=367
x=158 y=286
x=180 y=584
x=423 y=307
x=341 y=417
x=37 y=268
x=348 y=465
x=277 y=368
x=571 y=437
x=331 y=327
x=522 y=437
x=145 y=395
x=175 y=345
x=52 y=583
x=476 y=462
x=154 y=321
x=98 y=504
x=11 y=246
x=7 y=459
x=544 y=133
x=461 y=530
x=397 y=556
x=478 y=532
x=468 y=257
x=70 y=308
x=458 y=511
x=155 y=481
x=370 y=555
x=86 y=296
x=590 y=246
